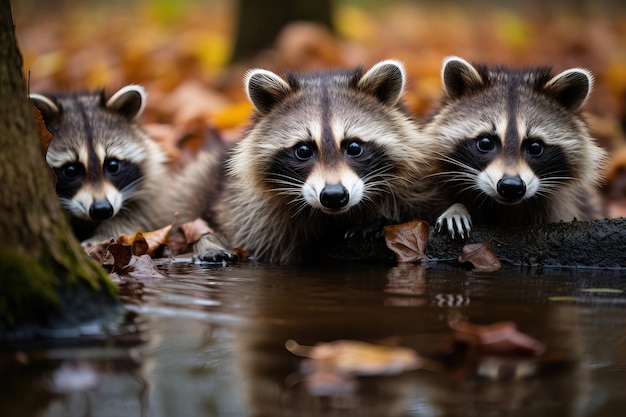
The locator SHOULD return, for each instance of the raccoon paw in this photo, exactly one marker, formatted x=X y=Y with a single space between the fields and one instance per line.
x=211 y=250
x=457 y=220
x=221 y=256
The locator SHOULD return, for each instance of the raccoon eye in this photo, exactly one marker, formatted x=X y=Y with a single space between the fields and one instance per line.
x=71 y=171
x=112 y=166
x=304 y=152
x=535 y=148
x=485 y=144
x=354 y=149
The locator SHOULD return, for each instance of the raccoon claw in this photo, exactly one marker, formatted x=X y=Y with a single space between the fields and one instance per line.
x=216 y=257
x=457 y=220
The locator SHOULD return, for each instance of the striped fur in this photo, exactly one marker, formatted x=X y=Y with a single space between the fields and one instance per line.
x=109 y=172
x=514 y=147
x=326 y=152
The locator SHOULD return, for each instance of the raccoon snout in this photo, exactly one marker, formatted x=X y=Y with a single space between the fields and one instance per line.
x=101 y=210
x=511 y=188
x=334 y=196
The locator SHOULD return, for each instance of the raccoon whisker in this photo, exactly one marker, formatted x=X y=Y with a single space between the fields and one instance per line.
x=461 y=164
x=288 y=191
x=556 y=180
x=132 y=189
x=382 y=173
x=550 y=190
x=288 y=181
x=300 y=205
x=378 y=186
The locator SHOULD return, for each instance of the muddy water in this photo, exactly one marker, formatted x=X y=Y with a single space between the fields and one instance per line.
x=209 y=341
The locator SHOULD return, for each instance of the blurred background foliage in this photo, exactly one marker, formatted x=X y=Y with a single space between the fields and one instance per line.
x=191 y=54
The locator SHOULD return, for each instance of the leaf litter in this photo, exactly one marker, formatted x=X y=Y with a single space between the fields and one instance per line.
x=496 y=352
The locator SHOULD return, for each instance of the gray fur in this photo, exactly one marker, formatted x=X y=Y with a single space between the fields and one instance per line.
x=83 y=121
x=277 y=218
x=517 y=105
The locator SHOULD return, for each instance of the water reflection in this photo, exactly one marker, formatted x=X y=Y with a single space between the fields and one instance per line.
x=212 y=343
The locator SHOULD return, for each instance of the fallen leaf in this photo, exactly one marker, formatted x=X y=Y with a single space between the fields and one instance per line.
x=122 y=255
x=481 y=256
x=501 y=338
x=234 y=115
x=136 y=241
x=408 y=240
x=349 y=357
x=157 y=238
x=241 y=254
x=194 y=230
x=142 y=268
x=99 y=251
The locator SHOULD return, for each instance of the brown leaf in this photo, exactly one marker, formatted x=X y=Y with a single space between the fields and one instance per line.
x=349 y=357
x=481 y=256
x=157 y=238
x=137 y=242
x=501 y=338
x=194 y=230
x=122 y=255
x=408 y=240
x=99 y=251
x=142 y=268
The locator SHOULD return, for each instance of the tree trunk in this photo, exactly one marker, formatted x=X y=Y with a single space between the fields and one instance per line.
x=260 y=21
x=45 y=277
x=597 y=243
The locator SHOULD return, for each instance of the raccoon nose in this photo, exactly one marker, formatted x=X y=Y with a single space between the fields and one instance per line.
x=511 y=188
x=334 y=196
x=101 y=210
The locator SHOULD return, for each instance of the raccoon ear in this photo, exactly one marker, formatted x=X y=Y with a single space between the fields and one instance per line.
x=265 y=89
x=571 y=87
x=48 y=108
x=385 y=81
x=459 y=77
x=129 y=101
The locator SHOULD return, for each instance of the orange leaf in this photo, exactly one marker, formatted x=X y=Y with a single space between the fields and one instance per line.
x=349 y=357
x=408 y=240
x=136 y=241
x=157 y=238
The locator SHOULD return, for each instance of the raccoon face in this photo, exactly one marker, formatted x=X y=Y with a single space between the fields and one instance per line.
x=95 y=152
x=96 y=192
x=512 y=135
x=322 y=140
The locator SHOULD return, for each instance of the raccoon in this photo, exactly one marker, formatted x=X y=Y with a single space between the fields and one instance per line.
x=514 y=147
x=326 y=152
x=109 y=173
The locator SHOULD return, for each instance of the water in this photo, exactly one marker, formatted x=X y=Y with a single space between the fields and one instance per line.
x=209 y=341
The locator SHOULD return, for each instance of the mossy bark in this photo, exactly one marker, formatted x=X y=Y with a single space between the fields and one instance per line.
x=39 y=257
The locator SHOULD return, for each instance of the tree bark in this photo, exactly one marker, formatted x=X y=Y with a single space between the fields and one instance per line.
x=597 y=244
x=46 y=280
x=259 y=22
